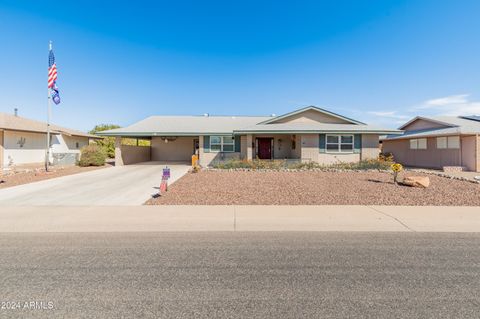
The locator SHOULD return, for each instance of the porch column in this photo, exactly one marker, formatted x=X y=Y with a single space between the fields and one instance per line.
x=249 y=147
x=477 y=155
x=201 y=153
x=309 y=151
x=118 y=151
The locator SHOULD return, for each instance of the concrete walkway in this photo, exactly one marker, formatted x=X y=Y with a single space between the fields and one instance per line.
x=240 y=218
x=123 y=185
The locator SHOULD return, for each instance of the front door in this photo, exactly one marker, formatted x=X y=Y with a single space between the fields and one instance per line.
x=264 y=148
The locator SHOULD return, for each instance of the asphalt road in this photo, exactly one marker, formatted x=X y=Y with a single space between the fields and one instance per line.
x=241 y=275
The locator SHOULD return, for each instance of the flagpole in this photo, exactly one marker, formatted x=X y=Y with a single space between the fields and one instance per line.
x=49 y=111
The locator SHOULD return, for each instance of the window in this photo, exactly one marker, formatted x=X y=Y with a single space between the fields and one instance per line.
x=418 y=144
x=77 y=145
x=441 y=142
x=339 y=143
x=222 y=143
x=453 y=142
x=413 y=144
x=422 y=143
x=294 y=142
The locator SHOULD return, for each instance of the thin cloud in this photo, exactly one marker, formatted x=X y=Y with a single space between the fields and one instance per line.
x=452 y=105
x=389 y=114
x=448 y=100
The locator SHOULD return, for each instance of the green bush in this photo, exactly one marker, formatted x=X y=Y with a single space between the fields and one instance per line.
x=364 y=165
x=284 y=164
x=254 y=164
x=92 y=155
x=107 y=143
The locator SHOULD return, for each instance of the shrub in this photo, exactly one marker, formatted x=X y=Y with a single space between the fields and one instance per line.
x=284 y=164
x=107 y=143
x=386 y=157
x=92 y=155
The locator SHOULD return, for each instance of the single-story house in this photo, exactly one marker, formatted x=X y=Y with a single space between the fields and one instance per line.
x=437 y=142
x=307 y=134
x=23 y=142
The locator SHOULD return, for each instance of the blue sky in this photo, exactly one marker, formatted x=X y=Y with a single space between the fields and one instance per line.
x=118 y=62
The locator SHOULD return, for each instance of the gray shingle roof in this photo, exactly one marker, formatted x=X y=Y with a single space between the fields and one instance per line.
x=458 y=125
x=18 y=123
x=185 y=125
x=208 y=125
x=315 y=108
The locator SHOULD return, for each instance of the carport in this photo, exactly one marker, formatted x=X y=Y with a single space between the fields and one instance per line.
x=174 y=148
x=177 y=138
x=178 y=149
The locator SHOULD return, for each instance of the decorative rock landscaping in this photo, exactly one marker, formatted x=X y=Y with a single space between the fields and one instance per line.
x=312 y=187
x=25 y=176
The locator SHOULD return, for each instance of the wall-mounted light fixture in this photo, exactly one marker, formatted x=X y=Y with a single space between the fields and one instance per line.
x=167 y=139
x=22 y=141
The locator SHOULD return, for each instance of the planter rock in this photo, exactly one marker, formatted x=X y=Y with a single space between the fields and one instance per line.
x=417 y=181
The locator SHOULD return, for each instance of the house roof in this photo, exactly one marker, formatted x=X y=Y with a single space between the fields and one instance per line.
x=314 y=108
x=472 y=117
x=207 y=125
x=453 y=125
x=185 y=125
x=18 y=123
x=429 y=119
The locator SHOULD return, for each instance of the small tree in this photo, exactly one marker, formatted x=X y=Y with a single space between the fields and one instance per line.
x=92 y=155
x=396 y=168
x=107 y=143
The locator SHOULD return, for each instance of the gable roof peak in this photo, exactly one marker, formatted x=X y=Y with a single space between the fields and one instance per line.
x=314 y=108
x=428 y=119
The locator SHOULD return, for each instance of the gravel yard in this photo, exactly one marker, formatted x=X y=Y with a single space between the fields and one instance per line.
x=36 y=175
x=313 y=188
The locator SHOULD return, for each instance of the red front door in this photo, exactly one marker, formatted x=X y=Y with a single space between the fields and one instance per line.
x=264 y=148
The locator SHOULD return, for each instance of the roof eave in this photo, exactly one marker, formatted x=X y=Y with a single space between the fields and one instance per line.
x=30 y=131
x=413 y=136
x=154 y=134
x=238 y=132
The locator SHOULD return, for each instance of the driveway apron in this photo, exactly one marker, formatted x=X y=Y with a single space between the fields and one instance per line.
x=123 y=185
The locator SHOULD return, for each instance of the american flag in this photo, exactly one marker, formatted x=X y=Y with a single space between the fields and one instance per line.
x=52 y=77
x=52 y=70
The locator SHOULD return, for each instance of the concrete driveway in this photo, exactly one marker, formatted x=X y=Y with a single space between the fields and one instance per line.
x=123 y=185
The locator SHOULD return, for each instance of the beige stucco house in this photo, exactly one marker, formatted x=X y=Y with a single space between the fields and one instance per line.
x=436 y=142
x=308 y=134
x=23 y=142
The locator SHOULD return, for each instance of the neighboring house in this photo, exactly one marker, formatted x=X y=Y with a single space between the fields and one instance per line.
x=23 y=141
x=307 y=134
x=436 y=142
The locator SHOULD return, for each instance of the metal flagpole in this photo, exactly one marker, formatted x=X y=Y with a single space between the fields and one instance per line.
x=49 y=111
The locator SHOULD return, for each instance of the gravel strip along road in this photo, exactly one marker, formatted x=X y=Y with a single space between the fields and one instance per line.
x=313 y=188
x=40 y=175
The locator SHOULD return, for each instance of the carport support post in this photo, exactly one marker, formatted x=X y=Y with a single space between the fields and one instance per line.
x=249 y=147
x=118 y=151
